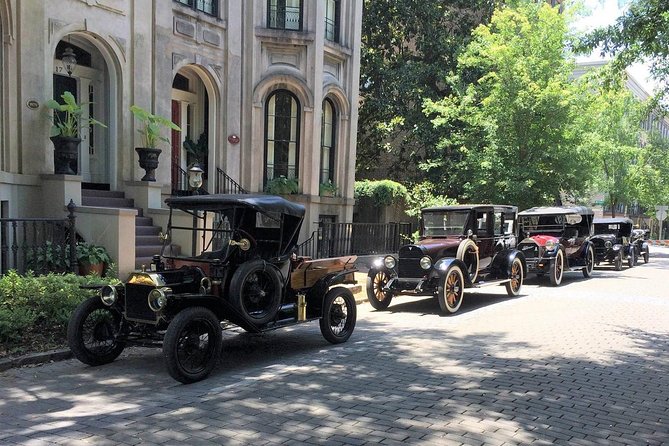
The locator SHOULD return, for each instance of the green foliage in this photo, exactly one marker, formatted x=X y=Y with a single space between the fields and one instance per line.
x=514 y=127
x=151 y=126
x=409 y=48
x=89 y=254
x=328 y=189
x=381 y=192
x=66 y=116
x=49 y=257
x=197 y=150
x=422 y=195
x=39 y=304
x=282 y=186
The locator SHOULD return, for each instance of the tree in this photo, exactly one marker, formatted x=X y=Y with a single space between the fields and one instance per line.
x=408 y=49
x=516 y=126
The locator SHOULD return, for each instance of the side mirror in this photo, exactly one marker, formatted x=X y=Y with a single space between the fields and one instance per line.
x=470 y=234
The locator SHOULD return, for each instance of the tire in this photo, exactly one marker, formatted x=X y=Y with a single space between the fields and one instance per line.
x=589 y=262
x=557 y=269
x=618 y=263
x=339 y=315
x=517 y=275
x=631 y=259
x=646 y=255
x=255 y=290
x=376 y=280
x=469 y=254
x=189 y=357
x=94 y=332
x=451 y=290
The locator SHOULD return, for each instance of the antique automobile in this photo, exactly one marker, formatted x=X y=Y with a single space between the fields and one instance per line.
x=640 y=244
x=240 y=270
x=612 y=242
x=459 y=247
x=557 y=239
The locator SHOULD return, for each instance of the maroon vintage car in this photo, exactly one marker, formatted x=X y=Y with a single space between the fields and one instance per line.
x=459 y=247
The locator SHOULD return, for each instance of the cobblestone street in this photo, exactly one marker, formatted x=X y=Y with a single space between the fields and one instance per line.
x=584 y=363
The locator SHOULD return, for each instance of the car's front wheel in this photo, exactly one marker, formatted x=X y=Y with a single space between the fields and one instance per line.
x=192 y=344
x=589 y=262
x=376 y=282
x=557 y=269
x=618 y=262
x=451 y=290
x=94 y=332
x=517 y=274
x=631 y=259
x=646 y=255
x=339 y=315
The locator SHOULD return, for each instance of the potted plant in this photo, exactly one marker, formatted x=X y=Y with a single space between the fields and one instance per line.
x=65 y=132
x=197 y=151
x=282 y=186
x=92 y=258
x=150 y=131
x=328 y=189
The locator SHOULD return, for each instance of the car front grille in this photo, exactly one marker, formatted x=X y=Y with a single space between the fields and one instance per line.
x=137 y=304
x=530 y=251
x=409 y=262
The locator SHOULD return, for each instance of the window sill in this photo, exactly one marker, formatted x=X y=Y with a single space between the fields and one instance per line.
x=273 y=35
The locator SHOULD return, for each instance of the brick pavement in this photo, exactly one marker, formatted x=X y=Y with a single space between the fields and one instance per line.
x=585 y=363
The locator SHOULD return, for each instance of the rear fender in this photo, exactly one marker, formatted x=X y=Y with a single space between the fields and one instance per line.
x=445 y=264
x=317 y=292
x=501 y=263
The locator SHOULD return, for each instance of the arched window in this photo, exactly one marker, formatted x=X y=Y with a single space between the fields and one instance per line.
x=282 y=129
x=328 y=127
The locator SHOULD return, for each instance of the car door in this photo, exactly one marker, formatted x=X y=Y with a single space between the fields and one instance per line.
x=484 y=238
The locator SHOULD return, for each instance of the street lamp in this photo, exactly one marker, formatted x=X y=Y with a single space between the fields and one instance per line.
x=69 y=60
x=195 y=178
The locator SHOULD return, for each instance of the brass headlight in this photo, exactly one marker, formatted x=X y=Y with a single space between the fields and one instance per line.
x=158 y=298
x=108 y=295
x=426 y=262
x=550 y=244
x=389 y=262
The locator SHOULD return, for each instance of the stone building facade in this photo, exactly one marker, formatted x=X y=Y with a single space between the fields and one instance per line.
x=269 y=88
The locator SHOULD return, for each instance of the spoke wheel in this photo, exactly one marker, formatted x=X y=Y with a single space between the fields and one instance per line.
x=631 y=259
x=94 y=332
x=618 y=263
x=339 y=315
x=376 y=282
x=517 y=274
x=192 y=344
x=451 y=290
x=557 y=269
x=255 y=290
x=589 y=262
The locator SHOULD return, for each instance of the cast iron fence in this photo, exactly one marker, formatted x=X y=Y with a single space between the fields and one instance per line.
x=42 y=245
x=226 y=185
x=340 y=239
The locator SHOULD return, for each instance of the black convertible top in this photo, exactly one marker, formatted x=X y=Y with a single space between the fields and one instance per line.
x=556 y=210
x=466 y=207
x=603 y=221
x=259 y=203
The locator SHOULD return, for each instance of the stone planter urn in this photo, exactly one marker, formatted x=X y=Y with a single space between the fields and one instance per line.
x=148 y=160
x=65 y=154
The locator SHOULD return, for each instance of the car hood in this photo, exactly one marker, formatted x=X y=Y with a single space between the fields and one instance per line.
x=604 y=237
x=437 y=248
x=541 y=240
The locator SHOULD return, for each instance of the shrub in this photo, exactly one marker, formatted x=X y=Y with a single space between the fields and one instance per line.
x=282 y=186
x=422 y=195
x=381 y=192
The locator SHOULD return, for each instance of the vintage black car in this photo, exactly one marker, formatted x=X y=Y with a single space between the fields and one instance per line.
x=557 y=239
x=612 y=242
x=640 y=244
x=459 y=247
x=240 y=270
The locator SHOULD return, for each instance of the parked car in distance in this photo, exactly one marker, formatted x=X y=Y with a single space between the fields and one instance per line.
x=557 y=239
x=238 y=269
x=612 y=242
x=640 y=244
x=459 y=247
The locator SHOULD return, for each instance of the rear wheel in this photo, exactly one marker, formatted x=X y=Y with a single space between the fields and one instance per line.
x=376 y=281
x=517 y=274
x=589 y=262
x=557 y=269
x=618 y=263
x=451 y=289
x=94 y=332
x=255 y=290
x=192 y=344
x=339 y=315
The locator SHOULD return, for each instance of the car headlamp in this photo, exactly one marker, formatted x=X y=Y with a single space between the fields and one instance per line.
x=426 y=262
x=158 y=298
x=616 y=247
x=389 y=262
x=108 y=295
x=550 y=244
x=608 y=244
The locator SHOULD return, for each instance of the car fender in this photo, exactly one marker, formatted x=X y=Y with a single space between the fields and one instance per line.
x=318 y=291
x=501 y=263
x=442 y=265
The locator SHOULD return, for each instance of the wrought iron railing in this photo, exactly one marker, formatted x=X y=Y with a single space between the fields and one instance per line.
x=285 y=17
x=331 y=31
x=280 y=170
x=180 y=182
x=226 y=185
x=340 y=239
x=41 y=245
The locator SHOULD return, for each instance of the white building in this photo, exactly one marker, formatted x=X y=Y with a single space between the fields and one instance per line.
x=273 y=84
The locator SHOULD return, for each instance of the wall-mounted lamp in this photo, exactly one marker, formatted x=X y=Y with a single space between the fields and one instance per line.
x=69 y=60
x=233 y=139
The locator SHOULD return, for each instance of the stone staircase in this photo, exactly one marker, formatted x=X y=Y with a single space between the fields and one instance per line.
x=147 y=239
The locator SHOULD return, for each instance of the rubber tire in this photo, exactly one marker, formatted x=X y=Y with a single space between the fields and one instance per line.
x=591 y=253
x=465 y=247
x=559 y=259
x=443 y=303
x=326 y=319
x=631 y=259
x=371 y=294
x=646 y=255
x=618 y=262
x=171 y=340
x=237 y=282
x=74 y=334
x=517 y=263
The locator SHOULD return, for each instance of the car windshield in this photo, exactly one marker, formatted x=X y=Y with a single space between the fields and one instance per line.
x=607 y=228
x=443 y=223
x=203 y=235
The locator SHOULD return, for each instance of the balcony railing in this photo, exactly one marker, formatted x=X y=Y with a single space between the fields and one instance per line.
x=288 y=17
x=331 y=31
x=277 y=170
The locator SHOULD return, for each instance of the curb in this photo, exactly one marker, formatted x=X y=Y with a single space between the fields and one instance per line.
x=35 y=358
